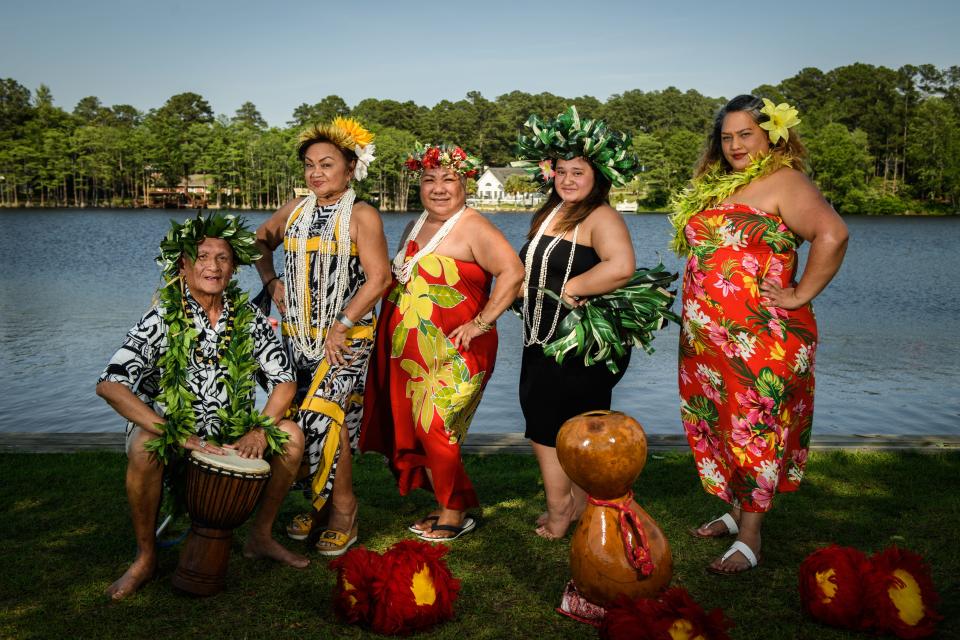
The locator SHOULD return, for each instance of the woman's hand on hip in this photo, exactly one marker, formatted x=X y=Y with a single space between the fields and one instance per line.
x=464 y=334
x=783 y=297
x=278 y=292
x=335 y=347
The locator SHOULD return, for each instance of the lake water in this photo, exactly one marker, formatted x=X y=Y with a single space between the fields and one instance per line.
x=74 y=281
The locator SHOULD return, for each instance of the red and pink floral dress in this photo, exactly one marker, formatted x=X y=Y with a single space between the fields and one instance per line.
x=746 y=369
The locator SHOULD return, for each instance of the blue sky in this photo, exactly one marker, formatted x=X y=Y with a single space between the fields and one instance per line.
x=279 y=54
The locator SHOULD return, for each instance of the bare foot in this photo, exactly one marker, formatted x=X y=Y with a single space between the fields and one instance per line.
x=556 y=524
x=133 y=578
x=545 y=516
x=258 y=547
x=426 y=522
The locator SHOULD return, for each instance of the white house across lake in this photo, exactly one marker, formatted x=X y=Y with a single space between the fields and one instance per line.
x=492 y=188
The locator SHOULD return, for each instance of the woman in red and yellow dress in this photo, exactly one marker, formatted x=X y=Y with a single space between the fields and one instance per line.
x=749 y=336
x=436 y=343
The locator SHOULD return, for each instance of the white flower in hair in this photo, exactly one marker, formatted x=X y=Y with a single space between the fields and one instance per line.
x=364 y=158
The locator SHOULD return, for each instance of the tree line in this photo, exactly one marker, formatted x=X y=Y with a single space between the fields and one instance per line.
x=880 y=140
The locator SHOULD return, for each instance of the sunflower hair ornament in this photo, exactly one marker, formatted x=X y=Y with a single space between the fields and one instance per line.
x=347 y=134
x=182 y=240
x=449 y=156
x=783 y=117
x=569 y=136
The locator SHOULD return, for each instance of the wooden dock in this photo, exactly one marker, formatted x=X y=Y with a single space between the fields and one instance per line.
x=26 y=442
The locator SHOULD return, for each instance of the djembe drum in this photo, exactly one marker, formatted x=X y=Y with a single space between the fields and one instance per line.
x=617 y=549
x=221 y=493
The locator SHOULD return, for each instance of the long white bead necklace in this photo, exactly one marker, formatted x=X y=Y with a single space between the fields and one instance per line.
x=403 y=270
x=531 y=321
x=297 y=267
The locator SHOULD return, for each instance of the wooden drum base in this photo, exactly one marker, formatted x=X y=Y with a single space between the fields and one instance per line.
x=203 y=561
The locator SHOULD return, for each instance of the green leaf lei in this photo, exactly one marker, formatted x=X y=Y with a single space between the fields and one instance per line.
x=601 y=329
x=237 y=360
x=715 y=186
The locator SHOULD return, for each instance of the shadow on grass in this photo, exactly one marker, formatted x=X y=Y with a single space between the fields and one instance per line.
x=66 y=536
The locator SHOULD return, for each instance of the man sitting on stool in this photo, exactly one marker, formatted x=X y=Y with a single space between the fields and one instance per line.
x=214 y=326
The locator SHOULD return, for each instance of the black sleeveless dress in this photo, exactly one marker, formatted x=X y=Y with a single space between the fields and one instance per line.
x=551 y=393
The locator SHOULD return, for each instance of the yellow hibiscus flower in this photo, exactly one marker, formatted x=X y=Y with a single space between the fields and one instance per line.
x=415 y=303
x=782 y=118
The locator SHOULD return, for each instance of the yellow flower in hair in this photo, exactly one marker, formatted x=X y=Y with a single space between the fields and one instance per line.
x=782 y=118
x=353 y=130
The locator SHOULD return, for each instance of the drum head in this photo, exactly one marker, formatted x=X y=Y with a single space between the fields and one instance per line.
x=232 y=462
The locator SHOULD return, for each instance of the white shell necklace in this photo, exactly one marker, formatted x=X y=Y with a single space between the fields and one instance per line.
x=531 y=321
x=403 y=270
x=297 y=269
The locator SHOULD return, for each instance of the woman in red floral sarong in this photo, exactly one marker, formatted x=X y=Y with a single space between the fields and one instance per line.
x=749 y=335
x=436 y=344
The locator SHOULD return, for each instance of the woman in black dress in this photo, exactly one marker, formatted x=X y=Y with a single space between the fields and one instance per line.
x=578 y=246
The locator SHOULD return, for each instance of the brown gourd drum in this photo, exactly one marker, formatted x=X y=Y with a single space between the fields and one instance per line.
x=604 y=452
x=221 y=493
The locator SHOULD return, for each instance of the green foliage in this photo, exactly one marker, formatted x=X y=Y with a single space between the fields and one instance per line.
x=904 y=121
x=519 y=183
x=604 y=328
x=843 y=164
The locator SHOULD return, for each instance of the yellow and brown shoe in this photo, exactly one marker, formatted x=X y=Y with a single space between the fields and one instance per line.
x=299 y=527
x=335 y=543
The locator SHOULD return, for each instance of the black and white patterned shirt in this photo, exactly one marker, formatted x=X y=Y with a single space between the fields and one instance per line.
x=136 y=363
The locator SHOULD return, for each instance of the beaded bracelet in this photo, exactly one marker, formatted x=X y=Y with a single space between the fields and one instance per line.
x=267 y=283
x=483 y=326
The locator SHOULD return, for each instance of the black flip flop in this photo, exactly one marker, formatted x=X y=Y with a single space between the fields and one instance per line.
x=469 y=524
x=413 y=528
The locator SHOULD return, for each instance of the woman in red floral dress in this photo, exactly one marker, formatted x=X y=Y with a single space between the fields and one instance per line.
x=749 y=336
x=437 y=346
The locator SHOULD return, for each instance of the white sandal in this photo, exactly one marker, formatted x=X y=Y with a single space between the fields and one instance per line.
x=728 y=521
x=743 y=548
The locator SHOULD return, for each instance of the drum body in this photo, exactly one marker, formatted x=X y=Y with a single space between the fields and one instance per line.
x=221 y=493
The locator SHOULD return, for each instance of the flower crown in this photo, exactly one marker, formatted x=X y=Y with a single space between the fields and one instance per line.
x=427 y=156
x=182 y=240
x=347 y=134
x=782 y=118
x=567 y=137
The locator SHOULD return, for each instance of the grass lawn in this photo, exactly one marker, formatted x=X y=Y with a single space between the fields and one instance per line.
x=65 y=536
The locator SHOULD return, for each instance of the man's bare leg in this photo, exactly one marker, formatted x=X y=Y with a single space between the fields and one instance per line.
x=144 y=488
x=260 y=542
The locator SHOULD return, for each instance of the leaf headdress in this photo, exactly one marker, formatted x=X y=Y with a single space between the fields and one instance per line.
x=569 y=136
x=182 y=240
